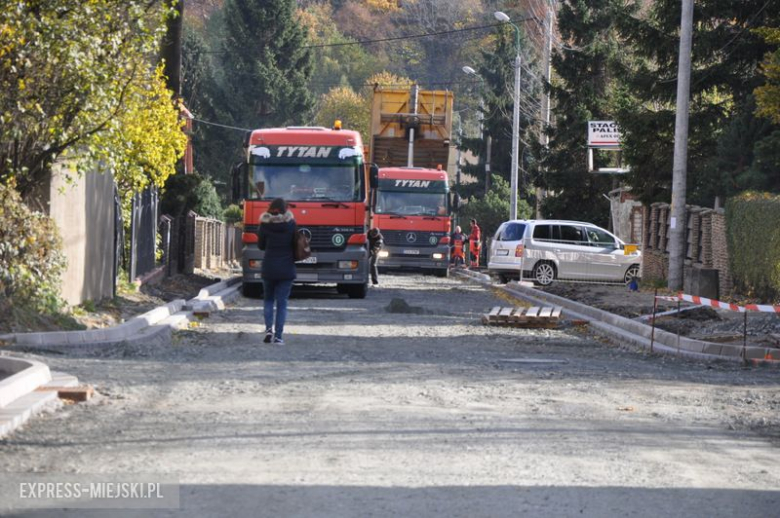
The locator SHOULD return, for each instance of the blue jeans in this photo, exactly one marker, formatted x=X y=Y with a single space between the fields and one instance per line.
x=278 y=291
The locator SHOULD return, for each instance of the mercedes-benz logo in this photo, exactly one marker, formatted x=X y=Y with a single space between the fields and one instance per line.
x=411 y=237
x=306 y=232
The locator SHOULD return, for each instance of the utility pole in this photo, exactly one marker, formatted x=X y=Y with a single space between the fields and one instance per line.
x=544 y=137
x=678 y=224
x=503 y=18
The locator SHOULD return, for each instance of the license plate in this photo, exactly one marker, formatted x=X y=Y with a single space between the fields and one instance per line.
x=307 y=277
x=308 y=260
x=501 y=251
x=412 y=252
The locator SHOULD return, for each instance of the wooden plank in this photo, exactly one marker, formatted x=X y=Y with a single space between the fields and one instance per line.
x=556 y=314
x=532 y=312
x=519 y=315
x=545 y=312
x=494 y=311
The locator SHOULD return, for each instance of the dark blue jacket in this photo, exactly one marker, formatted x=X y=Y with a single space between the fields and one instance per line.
x=275 y=237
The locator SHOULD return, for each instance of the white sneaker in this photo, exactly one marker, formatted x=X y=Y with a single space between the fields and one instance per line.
x=278 y=341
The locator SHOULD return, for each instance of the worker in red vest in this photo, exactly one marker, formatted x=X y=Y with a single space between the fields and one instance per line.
x=475 y=240
x=458 y=240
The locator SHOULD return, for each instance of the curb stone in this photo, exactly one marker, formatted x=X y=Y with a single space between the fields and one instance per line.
x=631 y=331
x=153 y=324
x=18 y=399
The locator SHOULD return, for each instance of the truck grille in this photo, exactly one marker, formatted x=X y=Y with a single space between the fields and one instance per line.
x=323 y=239
x=412 y=238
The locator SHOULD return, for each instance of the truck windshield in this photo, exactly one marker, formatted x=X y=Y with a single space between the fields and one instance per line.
x=411 y=203
x=306 y=182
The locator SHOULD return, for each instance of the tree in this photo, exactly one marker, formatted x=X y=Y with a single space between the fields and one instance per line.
x=768 y=94
x=349 y=107
x=581 y=92
x=259 y=78
x=59 y=96
x=497 y=70
x=725 y=72
x=492 y=209
x=190 y=192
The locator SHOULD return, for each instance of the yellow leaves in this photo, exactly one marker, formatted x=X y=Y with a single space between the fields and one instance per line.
x=768 y=95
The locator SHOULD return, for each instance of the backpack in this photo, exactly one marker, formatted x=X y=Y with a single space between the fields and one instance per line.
x=301 y=246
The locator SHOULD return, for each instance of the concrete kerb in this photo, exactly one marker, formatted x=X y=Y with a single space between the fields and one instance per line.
x=150 y=325
x=629 y=331
x=27 y=375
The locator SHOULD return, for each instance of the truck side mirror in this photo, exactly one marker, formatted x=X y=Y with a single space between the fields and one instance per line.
x=373 y=176
x=237 y=182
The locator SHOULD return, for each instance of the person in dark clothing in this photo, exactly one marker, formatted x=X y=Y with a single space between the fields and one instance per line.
x=375 y=243
x=276 y=237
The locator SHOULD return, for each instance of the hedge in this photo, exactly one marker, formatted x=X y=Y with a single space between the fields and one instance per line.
x=31 y=261
x=753 y=232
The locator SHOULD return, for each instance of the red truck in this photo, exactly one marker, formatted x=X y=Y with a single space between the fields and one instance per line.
x=321 y=173
x=411 y=207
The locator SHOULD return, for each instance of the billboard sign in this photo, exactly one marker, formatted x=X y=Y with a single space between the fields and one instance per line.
x=603 y=134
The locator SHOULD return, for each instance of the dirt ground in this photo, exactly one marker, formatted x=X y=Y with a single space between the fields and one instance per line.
x=704 y=323
x=404 y=404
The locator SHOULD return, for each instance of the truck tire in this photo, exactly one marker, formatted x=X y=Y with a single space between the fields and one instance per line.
x=342 y=289
x=357 y=291
x=442 y=272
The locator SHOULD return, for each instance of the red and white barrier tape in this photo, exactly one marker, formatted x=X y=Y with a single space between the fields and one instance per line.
x=701 y=301
x=670 y=299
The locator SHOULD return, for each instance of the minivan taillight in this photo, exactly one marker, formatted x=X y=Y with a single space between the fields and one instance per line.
x=519 y=251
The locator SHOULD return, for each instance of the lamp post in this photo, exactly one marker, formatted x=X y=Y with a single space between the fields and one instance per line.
x=488 y=139
x=504 y=18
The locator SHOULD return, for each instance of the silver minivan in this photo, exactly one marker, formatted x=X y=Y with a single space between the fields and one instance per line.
x=545 y=250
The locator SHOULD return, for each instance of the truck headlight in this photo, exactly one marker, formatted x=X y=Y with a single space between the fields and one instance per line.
x=438 y=256
x=384 y=253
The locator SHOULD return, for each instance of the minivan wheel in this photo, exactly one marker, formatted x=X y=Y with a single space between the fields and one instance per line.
x=544 y=274
x=631 y=273
x=503 y=278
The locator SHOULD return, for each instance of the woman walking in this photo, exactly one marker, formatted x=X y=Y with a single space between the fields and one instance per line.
x=276 y=238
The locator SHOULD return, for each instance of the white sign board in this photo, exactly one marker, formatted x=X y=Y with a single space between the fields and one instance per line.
x=603 y=134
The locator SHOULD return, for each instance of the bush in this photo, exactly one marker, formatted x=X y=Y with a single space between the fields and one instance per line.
x=753 y=232
x=492 y=209
x=31 y=260
x=190 y=192
x=233 y=215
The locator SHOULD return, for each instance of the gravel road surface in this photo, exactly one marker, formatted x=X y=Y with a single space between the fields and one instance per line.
x=411 y=407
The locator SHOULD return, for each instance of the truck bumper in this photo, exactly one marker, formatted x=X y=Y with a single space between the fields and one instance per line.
x=325 y=270
x=399 y=258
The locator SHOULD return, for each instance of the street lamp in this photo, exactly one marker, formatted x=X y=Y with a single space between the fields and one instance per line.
x=504 y=18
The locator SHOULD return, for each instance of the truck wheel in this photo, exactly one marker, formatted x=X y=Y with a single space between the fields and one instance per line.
x=357 y=291
x=342 y=289
x=443 y=272
x=252 y=290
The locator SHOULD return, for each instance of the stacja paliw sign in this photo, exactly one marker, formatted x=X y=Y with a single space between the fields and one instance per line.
x=603 y=134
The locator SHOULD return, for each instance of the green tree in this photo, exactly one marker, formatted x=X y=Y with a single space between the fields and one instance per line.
x=581 y=92
x=497 y=70
x=191 y=192
x=67 y=72
x=492 y=209
x=349 y=107
x=768 y=94
x=725 y=72
x=259 y=78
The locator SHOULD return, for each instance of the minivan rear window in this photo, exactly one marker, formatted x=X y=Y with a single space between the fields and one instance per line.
x=513 y=232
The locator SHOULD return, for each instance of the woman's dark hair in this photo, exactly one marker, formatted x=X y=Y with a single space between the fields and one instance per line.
x=278 y=206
